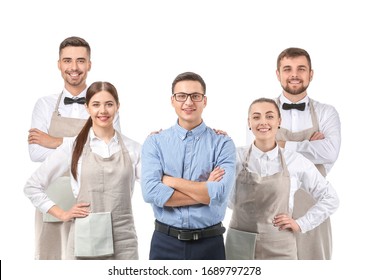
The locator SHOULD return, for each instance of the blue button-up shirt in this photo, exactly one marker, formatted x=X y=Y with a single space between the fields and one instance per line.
x=191 y=155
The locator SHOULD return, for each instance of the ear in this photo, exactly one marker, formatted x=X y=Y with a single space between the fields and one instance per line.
x=278 y=75
x=311 y=75
x=58 y=64
x=204 y=101
x=89 y=65
x=172 y=101
x=87 y=109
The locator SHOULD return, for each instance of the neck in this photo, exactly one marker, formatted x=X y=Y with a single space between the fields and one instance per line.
x=104 y=133
x=75 y=90
x=295 y=98
x=189 y=125
x=266 y=145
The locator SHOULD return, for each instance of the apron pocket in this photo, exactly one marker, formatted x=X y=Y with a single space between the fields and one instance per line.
x=93 y=235
x=240 y=245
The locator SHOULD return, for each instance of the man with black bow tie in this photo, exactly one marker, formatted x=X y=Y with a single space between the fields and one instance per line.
x=312 y=129
x=55 y=117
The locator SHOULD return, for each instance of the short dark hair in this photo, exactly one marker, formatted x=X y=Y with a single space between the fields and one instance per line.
x=75 y=42
x=188 y=76
x=293 y=52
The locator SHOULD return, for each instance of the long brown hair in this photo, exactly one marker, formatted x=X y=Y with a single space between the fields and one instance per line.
x=81 y=139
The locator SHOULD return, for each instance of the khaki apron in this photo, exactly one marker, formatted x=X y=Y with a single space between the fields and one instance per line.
x=51 y=237
x=106 y=184
x=315 y=244
x=257 y=201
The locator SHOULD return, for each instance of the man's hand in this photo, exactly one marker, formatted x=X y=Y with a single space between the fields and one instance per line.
x=155 y=132
x=216 y=175
x=220 y=132
x=317 y=136
x=41 y=138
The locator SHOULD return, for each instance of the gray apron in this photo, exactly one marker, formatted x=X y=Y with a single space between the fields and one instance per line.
x=106 y=184
x=257 y=201
x=51 y=237
x=315 y=244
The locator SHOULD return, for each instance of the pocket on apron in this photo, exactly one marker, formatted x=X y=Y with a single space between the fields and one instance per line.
x=93 y=235
x=60 y=192
x=240 y=245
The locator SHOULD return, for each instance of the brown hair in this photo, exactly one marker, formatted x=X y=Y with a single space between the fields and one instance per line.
x=81 y=139
x=75 y=42
x=188 y=76
x=293 y=52
x=267 y=100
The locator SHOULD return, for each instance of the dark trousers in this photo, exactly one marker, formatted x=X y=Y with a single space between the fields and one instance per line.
x=165 y=247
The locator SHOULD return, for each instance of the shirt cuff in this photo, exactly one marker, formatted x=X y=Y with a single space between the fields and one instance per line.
x=291 y=145
x=303 y=226
x=46 y=206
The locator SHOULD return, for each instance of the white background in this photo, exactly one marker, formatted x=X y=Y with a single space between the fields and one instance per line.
x=140 y=46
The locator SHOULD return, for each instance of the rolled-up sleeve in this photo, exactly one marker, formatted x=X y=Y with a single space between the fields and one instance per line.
x=153 y=190
x=219 y=191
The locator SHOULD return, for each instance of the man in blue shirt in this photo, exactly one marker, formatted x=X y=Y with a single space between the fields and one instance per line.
x=188 y=172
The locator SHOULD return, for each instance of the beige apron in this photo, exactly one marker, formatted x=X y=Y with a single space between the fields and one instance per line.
x=257 y=201
x=106 y=185
x=315 y=244
x=51 y=237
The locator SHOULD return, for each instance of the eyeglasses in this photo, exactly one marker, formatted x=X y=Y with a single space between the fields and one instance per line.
x=182 y=97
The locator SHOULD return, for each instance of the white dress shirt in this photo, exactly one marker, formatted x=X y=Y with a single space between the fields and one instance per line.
x=59 y=162
x=41 y=119
x=303 y=174
x=323 y=151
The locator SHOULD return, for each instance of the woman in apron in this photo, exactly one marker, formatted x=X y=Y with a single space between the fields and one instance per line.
x=104 y=166
x=261 y=226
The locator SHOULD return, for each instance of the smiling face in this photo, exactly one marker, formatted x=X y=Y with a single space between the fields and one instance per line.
x=294 y=74
x=102 y=108
x=264 y=120
x=189 y=112
x=74 y=64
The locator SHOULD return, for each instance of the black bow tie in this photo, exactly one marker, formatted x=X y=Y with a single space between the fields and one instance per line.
x=299 y=106
x=80 y=100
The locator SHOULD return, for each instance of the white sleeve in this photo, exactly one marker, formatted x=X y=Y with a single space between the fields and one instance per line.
x=321 y=190
x=53 y=167
x=41 y=118
x=324 y=151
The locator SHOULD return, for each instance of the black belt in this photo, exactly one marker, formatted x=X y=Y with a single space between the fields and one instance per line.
x=190 y=234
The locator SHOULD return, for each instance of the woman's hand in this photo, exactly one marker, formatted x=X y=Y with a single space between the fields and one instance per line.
x=285 y=222
x=79 y=210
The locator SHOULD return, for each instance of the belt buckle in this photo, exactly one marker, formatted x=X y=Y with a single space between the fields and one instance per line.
x=187 y=235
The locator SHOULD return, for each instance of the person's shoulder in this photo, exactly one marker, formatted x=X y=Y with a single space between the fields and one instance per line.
x=296 y=159
x=241 y=152
x=159 y=136
x=48 y=99
x=242 y=149
x=321 y=106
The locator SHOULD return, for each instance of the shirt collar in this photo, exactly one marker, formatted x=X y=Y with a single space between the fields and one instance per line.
x=68 y=94
x=271 y=155
x=93 y=137
x=196 y=132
